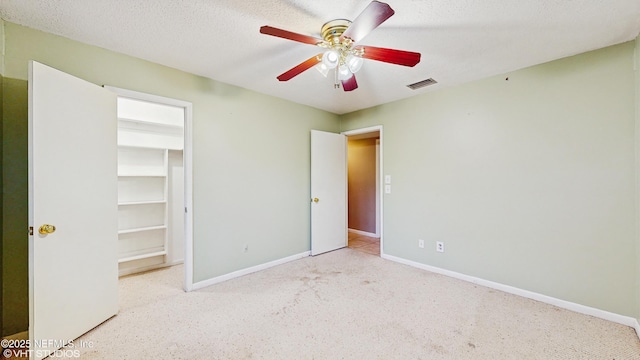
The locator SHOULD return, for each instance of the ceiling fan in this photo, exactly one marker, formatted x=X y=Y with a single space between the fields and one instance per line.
x=339 y=38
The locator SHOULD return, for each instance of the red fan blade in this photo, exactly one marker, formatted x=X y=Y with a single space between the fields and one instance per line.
x=350 y=84
x=289 y=35
x=399 y=57
x=370 y=18
x=309 y=63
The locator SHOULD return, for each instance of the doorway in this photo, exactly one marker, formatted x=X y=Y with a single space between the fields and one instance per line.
x=364 y=162
x=154 y=183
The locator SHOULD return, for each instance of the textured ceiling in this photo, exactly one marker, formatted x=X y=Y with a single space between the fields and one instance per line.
x=460 y=40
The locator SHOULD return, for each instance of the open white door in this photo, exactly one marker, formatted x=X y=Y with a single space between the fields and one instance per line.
x=328 y=192
x=73 y=271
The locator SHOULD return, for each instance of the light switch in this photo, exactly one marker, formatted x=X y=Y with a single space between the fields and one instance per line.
x=387 y=189
x=387 y=179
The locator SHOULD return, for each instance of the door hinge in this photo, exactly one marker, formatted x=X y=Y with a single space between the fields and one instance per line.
x=185 y=210
x=30 y=230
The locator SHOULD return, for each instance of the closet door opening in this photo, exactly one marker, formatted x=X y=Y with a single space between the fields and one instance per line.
x=154 y=187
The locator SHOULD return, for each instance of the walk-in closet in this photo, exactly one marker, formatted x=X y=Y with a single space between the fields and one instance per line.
x=150 y=185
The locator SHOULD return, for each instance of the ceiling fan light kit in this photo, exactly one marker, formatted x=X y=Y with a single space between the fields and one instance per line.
x=339 y=38
x=330 y=59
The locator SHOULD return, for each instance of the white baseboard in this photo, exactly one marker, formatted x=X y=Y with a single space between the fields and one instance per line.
x=132 y=271
x=235 y=274
x=360 y=232
x=582 y=309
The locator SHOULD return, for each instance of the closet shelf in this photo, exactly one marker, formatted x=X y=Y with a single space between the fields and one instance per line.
x=149 y=228
x=150 y=202
x=152 y=123
x=142 y=256
x=143 y=175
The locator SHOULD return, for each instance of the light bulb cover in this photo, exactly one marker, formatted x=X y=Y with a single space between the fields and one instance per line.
x=330 y=58
x=354 y=63
x=323 y=69
x=344 y=73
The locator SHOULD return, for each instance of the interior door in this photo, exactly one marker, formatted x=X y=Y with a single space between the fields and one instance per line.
x=73 y=273
x=328 y=192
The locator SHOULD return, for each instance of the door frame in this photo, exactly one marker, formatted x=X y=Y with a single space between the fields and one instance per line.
x=188 y=170
x=380 y=175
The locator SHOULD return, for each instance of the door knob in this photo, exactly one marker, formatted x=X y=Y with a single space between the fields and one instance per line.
x=315 y=200
x=46 y=229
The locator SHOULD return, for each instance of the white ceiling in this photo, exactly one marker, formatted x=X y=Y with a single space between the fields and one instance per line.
x=460 y=40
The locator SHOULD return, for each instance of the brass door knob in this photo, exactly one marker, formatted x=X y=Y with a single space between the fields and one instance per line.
x=315 y=200
x=46 y=229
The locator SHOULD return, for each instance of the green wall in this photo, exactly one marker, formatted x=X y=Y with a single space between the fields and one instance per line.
x=528 y=178
x=15 y=291
x=1 y=170
x=1 y=202
x=250 y=160
x=637 y=77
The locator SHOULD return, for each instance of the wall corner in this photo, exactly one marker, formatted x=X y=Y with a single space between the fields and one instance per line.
x=636 y=68
x=1 y=182
x=1 y=168
x=2 y=47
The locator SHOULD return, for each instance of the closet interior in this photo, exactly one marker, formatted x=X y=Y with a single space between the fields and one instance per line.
x=150 y=185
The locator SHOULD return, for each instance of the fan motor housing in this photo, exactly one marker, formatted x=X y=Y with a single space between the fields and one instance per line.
x=334 y=28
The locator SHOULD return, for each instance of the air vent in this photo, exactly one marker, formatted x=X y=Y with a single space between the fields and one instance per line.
x=421 y=84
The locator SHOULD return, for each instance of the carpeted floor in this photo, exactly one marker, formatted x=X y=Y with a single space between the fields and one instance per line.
x=345 y=305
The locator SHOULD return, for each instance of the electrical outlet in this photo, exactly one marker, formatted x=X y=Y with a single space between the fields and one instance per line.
x=421 y=243
x=246 y=248
x=439 y=246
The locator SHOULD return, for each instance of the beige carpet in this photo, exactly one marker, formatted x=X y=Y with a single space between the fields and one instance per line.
x=345 y=305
